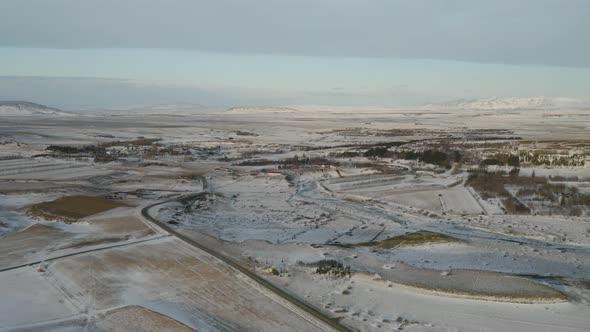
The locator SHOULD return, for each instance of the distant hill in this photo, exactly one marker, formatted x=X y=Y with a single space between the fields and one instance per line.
x=26 y=108
x=165 y=109
x=514 y=103
x=260 y=110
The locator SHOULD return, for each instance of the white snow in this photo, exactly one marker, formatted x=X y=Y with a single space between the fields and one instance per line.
x=23 y=108
x=514 y=103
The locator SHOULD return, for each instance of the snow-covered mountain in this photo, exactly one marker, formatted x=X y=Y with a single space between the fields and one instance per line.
x=26 y=108
x=515 y=103
x=261 y=109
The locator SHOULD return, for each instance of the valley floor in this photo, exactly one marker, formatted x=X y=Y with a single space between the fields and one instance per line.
x=369 y=243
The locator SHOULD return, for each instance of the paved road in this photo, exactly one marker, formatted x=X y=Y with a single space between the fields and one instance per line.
x=236 y=265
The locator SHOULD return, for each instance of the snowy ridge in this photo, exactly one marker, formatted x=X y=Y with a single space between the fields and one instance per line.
x=515 y=103
x=25 y=108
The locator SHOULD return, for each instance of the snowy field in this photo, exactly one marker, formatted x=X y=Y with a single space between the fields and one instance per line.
x=231 y=182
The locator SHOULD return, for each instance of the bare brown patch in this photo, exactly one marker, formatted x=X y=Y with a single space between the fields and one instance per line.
x=72 y=208
x=125 y=225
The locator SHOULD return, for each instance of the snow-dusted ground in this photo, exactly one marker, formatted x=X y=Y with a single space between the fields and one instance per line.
x=372 y=304
x=185 y=284
x=281 y=220
x=28 y=298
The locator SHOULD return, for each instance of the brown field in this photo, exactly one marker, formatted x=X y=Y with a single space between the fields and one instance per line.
x=72 y=208
x=127 y=225
x=136 y=318
x=16 y=248
x=168 y=271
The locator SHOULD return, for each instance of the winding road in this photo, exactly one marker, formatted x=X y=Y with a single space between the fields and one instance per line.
x=145 y=212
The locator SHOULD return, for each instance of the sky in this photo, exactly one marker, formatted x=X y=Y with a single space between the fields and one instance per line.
x=116 y=54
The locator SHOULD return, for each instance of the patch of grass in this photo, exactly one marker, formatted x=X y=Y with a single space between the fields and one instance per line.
x=411 y=239
x=387 y=170
x=72 y=208
x=258 y=162
x=556 y=296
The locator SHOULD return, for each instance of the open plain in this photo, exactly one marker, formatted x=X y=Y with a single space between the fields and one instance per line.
x=268 y=220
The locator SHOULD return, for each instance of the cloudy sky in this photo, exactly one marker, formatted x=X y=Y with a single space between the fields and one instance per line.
x=112 y=53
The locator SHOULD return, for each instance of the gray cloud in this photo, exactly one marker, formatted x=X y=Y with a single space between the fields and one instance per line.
x=554 y=32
